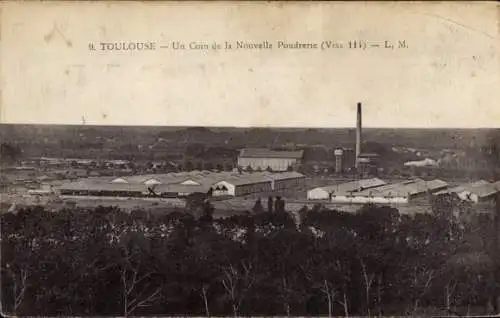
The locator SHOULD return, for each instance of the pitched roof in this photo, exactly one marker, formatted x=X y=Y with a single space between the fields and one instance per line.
x=368 y=155
x=405 y=188
x=286 y=175
x=205 y=180
x=90 y=186
x=481 y=188
x=267 y=153
x=354 y=186
x=180 y=188
x=246 y=179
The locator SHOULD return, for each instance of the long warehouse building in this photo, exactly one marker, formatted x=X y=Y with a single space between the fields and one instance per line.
x=183 y=184
x=475 y=192
x=265 y=159
x=377 y=191
x=326 y=192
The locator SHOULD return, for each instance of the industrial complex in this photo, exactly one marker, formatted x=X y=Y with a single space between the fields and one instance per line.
x=262 y=172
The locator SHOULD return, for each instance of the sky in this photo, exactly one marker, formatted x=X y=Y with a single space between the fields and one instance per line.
x=447 y=77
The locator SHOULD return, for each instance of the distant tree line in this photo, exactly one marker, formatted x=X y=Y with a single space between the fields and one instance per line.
x=9 y=152
x=104 y=261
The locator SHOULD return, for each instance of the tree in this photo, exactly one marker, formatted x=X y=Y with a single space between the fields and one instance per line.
x=237 y=282
x=9 y=153
x=210 y=192
x=196 y=204
x=285 y=252
x=328 y=270
x=18 y=274
x=279 y=205
x=258 y=208
x=195 y=149
x=303 y=212
x=137 y=284
x=368 y=279
x=105 y=261
x=208 y=211
x=228 y=166
x=188 y=166
x=207 y=165
x=199 y=165
x=270 y=205
x=421 y=282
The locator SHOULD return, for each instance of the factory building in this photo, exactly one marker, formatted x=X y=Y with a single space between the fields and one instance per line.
x=177 y=190
x=260 y=182
x=476 y=192
x=326 y=192
x=264 y=159
x=238 y=187
x=287 y=180
x=402 y=192
x=86 y=188
x=376 y=191
x=182 y=184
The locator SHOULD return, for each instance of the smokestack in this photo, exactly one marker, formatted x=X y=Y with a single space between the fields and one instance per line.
x=358 y=135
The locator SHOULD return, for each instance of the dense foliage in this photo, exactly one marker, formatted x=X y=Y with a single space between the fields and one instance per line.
x=9 y=152
x=106 y=262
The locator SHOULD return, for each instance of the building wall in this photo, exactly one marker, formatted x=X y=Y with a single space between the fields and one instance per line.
x=364 y=200
x=253 y=188
x=288 y=184
x=421 y=195
x=101 y=193
x=243 y=189
x=277 y=164
x=317 y=194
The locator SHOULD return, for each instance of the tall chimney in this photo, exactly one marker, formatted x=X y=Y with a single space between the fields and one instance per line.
x=358 y=135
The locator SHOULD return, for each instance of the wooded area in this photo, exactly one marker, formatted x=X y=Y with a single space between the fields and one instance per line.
x=376 y=262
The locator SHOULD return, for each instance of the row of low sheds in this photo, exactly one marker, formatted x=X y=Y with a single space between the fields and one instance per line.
x=378 y=191
x=184 y=183
x=174 y=185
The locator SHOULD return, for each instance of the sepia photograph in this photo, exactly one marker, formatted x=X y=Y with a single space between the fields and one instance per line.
x=240 y=159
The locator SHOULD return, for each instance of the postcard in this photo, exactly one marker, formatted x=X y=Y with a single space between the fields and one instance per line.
x=235 y=158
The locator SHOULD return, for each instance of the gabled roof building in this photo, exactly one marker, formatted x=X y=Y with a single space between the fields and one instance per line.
x=476 y=192
x=182 y=184
x=259 y=159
